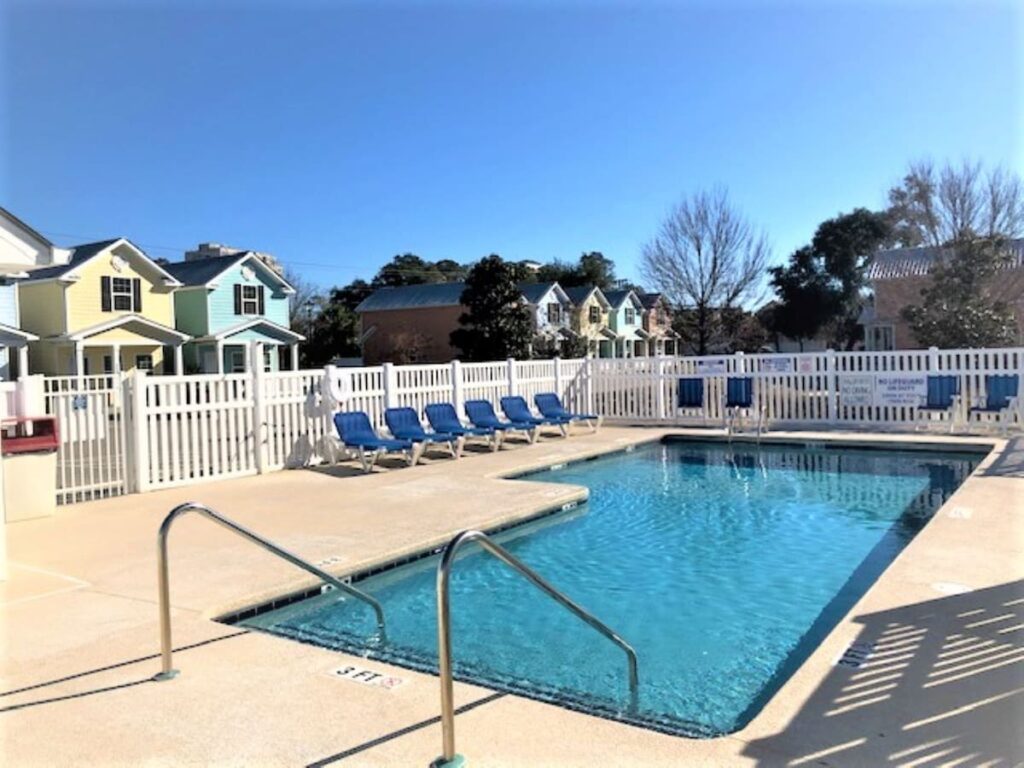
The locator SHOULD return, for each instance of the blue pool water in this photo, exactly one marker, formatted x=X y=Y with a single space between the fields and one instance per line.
x=724 y=566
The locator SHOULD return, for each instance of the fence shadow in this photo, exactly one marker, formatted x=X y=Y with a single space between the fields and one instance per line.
x=943 y=685
x=1010 y=462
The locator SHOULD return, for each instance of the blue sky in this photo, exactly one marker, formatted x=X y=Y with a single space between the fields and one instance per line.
x=336 y=135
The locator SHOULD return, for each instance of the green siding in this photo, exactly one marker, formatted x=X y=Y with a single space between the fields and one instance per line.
x=190 y=311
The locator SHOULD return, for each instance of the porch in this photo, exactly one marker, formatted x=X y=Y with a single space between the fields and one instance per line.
x=13 y=352
x=236 y=349
x=127 y=343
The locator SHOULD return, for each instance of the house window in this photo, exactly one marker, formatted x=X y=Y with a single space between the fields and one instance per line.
x=630 y=316
x=554 y=312
x=250 y=300
x=880 y=338
x=594 y=314
x=268 y=361
x=121 y=294
x=108 y=364
x=144 y=362
x=236 y=361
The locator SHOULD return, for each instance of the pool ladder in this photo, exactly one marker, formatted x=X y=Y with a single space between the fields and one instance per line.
x=167 y=671
x=449 y=758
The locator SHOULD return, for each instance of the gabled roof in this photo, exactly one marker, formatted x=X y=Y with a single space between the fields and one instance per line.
x=159 y=330
x=413 y=297
x=618 y=298
x=918 y=262
x=83 y=253
x=256 y=322
x=205 y=271
x=650 y=300
x=534 y=292
x=16 y=333
x=22 y=225
x=578 y=294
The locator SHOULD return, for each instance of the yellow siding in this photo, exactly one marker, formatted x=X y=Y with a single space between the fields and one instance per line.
x=582 y=324
x=95 y=355
x=84 y=297
x=42 y=308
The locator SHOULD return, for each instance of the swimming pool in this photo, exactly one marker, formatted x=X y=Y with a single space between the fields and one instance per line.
x=723 y=565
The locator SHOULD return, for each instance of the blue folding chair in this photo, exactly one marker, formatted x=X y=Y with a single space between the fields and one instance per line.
x=481 y=414
x=443 y=418
x=550 y=405
x=739 y=403
x=942 y=400
x=516 y=409
x=690 y=397
x=1001 y=401
x=405 y=425
x=357 y=434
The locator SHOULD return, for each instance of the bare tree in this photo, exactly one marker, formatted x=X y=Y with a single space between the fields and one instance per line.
x=706 y=258
x=956 y=203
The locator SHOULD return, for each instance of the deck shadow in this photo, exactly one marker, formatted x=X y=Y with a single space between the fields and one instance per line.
x=943 y=684
x=1009 y=463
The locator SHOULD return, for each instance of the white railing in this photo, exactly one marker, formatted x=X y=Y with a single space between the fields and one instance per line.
x=146 y=432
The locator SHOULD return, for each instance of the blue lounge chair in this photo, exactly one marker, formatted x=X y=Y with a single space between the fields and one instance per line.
x=481 y=414
x=516 y=409
x=443 y=418
x=356 y=433
x=942 y=400
x=739 y=403
x=1001 y=401
x=550 y=405
x=405 y=425
x=690 y=397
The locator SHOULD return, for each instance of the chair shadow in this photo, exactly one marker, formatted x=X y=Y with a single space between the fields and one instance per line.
x=1010 y=462
x=939 y=682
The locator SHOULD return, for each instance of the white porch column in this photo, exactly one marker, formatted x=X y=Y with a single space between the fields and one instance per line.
x=115 y=359
x=295 y=355
x=246 y=359
x=179 y=362
x=23 y=360
x=79 y=359
x=220 y=357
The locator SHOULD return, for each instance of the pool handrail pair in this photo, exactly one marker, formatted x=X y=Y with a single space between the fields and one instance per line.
x=449 y=758
x=164 y=587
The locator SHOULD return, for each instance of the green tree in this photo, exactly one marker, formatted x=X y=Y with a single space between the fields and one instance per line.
x=957 y=309
x=822 y=285
x=410 y=269
x=593 y=268
x=496 y=324
x=332 y=331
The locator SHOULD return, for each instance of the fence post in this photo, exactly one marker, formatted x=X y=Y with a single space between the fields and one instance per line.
x=659 y=383
x=556 y=362
x=390 y=385
x=30 y=396
x=458 y=393
x=831 y=385
x=588 y=382
x=933 y=359
x=259 y=432
x=138 y=430
x=512 y=376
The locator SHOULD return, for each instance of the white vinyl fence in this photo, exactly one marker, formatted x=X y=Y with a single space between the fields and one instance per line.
x=142 y=432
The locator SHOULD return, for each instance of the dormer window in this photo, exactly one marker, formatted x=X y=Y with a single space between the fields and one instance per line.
x=630 y=315
x=554 y=312
x=594 y=313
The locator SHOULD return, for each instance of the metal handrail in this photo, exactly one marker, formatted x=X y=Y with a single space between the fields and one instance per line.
x=167 y=671
x=444 y=643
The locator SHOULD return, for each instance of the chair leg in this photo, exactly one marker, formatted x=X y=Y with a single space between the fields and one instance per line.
x=457 y=445
x=367 y=460
x=532 y=434
x=415 y=453
x=564 y=429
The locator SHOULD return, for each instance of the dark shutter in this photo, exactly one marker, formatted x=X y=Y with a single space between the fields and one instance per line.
x=105 y=293
x=136 y=294
x=238 y=299
x=259 y=296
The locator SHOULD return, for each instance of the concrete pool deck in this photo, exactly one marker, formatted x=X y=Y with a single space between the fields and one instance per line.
x=79 y=637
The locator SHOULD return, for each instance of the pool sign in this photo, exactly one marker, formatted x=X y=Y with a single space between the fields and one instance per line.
x=367 y=677
x=774 y=365
x=708 y=367
x=857 y=390
x=900 y=389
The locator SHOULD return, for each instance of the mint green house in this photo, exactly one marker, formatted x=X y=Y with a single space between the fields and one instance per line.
x=235 y=308
x=625 y=320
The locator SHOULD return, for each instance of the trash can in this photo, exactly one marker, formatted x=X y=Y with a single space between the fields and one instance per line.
x=29 y=448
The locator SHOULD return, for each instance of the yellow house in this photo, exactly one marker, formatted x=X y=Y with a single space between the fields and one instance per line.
x=109 y=309
x=590 y=318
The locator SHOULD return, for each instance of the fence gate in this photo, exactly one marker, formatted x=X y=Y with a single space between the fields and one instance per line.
x=91 y=460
